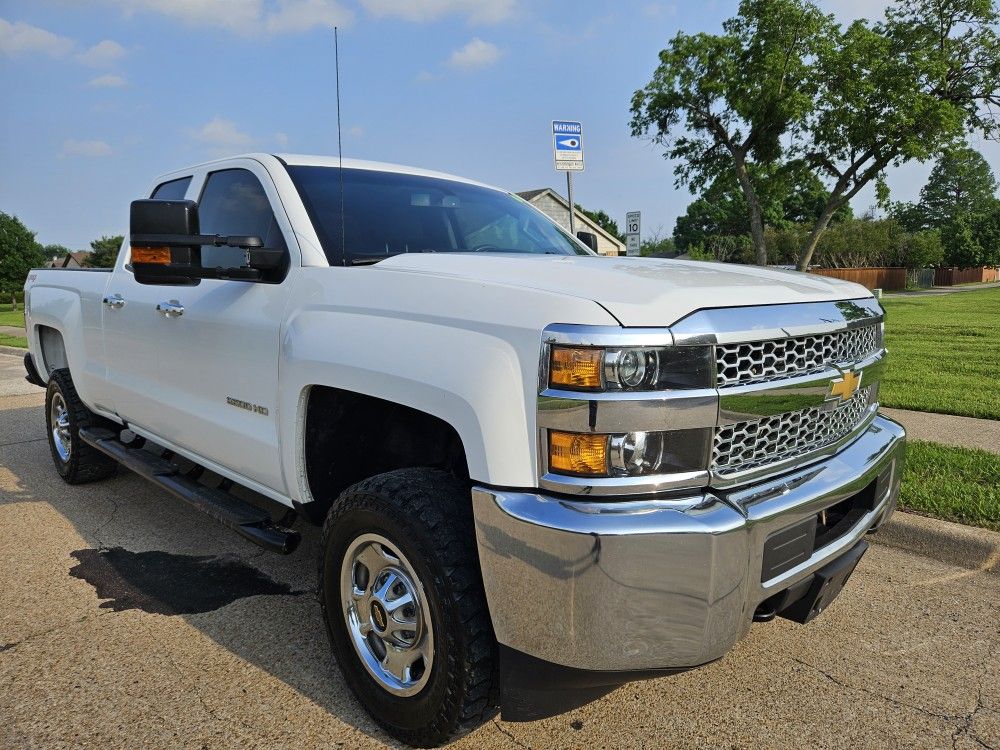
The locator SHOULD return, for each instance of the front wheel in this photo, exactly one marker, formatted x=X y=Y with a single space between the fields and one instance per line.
x=403 y=601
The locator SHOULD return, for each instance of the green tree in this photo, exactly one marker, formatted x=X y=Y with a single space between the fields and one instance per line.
x=658 y=243
x=19 y=253
x=961 y=182
x=602 y=220
x=898 y=90
x=856 y=100
x=788 y=195
x=922 y=249
x=736 y=95
x=986 y=226
x=105 y=251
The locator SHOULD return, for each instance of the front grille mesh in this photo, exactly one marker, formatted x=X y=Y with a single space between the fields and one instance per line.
x=759 y=361
x=746 y=445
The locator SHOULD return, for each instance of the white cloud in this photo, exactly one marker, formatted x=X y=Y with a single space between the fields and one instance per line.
x=477 y=11
x=101 y=54
x=425 y=75
x=247 y=17
x=303 y=15
x=108 y=81
x=281 y=139
x=73 y=147
x=357 y=131
x=20 y=38
x=475 y=54
x=222 y=135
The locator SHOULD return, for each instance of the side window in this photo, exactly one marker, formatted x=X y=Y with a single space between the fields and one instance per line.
x=234 y=202
x=173 y=190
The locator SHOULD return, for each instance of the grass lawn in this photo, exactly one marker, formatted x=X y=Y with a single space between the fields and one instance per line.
x=20 y=341
x=944 y=353
x=10 y=317
x=956 y=484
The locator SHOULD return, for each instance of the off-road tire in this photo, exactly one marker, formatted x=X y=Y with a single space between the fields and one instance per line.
x=84 y=464
x=427 y=514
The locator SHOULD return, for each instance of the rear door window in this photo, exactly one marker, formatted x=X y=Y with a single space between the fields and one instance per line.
x=175 y=190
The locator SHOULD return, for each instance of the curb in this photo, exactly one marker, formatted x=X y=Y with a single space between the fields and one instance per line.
x=13 y=350
x=965 y=546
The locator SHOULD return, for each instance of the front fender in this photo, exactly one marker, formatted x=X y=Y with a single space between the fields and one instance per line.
x=477 y=372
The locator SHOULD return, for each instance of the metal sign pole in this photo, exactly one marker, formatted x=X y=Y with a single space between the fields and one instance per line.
x=569 y=193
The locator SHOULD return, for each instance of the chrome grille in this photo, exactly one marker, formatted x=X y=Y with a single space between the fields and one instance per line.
x=759 y=361
x=748 y=445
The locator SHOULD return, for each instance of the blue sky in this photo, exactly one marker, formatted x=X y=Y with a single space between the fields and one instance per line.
x=99 y=97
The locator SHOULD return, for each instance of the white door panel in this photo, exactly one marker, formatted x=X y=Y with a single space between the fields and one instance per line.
x=205 y=379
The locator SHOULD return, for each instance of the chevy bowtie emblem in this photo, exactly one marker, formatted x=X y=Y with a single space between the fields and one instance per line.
x=845 y=386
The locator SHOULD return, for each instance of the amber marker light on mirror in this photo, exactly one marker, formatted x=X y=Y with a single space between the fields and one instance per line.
x=573 y=367
x=578 y=453
x=160 y=255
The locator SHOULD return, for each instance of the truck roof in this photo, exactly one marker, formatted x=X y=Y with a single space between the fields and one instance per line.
x=314 y=160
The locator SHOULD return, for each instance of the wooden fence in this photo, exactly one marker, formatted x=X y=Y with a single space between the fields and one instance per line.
x=952 y=276
x=890 y=279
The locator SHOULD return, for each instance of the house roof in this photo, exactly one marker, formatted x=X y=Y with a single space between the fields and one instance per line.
x=532 y=195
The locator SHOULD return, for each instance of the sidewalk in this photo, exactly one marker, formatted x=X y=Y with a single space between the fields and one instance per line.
x=13 y=331
x=947 y=429
x=936 y=290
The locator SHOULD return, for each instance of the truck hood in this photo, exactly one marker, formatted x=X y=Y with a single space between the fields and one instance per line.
x=637 y=291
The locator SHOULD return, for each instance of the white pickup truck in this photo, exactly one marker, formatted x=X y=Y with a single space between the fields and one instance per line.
x=540 y=473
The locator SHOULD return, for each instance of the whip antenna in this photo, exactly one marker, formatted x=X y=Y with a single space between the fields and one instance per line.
x=340 y=148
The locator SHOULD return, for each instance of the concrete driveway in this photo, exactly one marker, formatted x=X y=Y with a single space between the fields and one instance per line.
x=129 y=620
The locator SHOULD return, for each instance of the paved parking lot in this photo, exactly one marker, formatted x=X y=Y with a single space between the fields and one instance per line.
x=129 y=620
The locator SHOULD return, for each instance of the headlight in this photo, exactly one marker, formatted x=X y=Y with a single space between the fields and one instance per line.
x=630 y=368
x=628 y=454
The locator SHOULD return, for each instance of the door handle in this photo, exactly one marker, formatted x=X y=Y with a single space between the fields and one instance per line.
x=114 y=301
x=170 y=309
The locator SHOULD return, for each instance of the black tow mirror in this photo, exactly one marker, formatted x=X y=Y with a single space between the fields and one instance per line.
x=166 y=246
x=589 y=239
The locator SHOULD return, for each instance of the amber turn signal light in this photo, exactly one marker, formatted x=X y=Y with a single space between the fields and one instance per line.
x=159 y=255
x=576 y=367
x=578 y=453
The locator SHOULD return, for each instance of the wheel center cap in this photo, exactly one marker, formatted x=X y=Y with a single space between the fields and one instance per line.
x=379 y=617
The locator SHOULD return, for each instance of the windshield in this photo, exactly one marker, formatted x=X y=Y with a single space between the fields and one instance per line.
x=388 y=213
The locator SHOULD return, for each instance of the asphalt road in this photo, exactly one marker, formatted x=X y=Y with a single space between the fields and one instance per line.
x=129 y=620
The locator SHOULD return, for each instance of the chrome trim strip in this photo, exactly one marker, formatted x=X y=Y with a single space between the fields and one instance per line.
x=649 y=411
x=615 y=336
x=740 y=325
x=611 y=486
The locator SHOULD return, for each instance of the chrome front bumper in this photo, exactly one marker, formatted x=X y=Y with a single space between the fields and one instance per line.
x=661 y=583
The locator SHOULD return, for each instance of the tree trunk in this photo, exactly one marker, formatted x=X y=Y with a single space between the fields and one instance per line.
x=818 y=228
x=756 y=218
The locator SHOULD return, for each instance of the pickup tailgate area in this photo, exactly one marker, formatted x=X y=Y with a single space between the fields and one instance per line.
x=65 y=326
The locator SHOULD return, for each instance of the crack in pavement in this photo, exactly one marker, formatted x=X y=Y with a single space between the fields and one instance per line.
x=963 y=722
x=54 y=629
x=965 y=727
x=23 y=442
x=240 y=725
x=509 y=735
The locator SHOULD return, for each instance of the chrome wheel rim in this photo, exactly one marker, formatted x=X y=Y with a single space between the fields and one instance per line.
x=387 y=616
x=59 y=424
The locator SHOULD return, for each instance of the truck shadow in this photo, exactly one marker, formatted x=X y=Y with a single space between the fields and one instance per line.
x=144 y=550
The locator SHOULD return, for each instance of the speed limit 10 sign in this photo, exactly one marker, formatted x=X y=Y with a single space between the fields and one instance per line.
x=632 y=233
